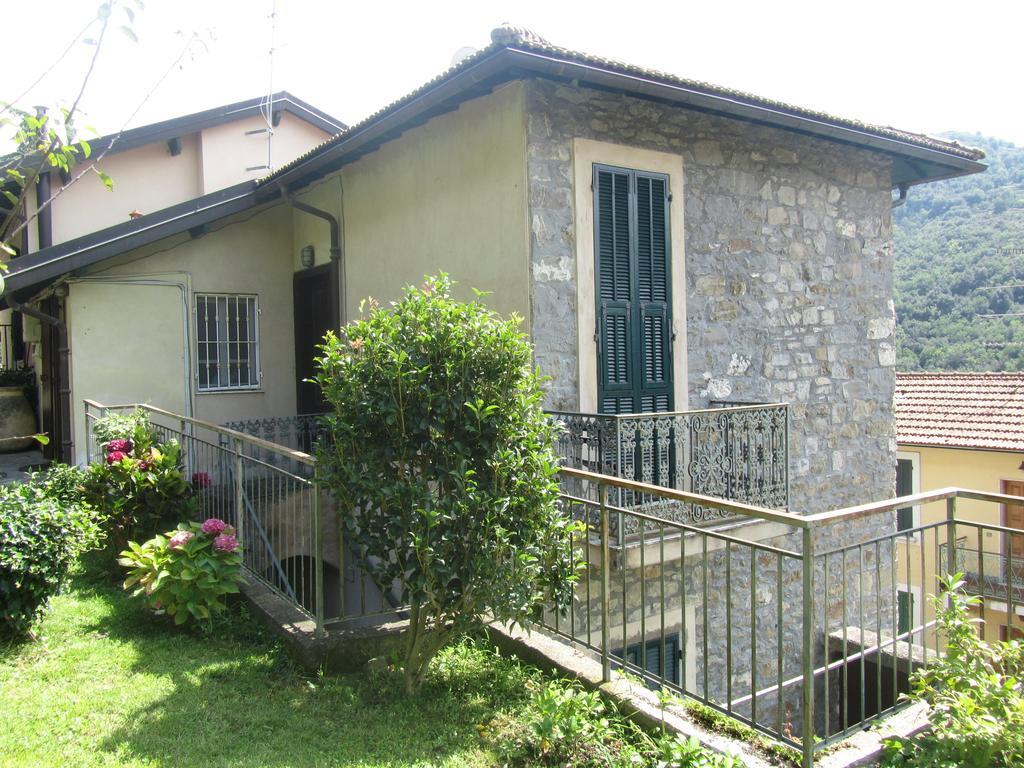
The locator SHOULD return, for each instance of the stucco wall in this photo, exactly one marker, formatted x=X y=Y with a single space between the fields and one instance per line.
x=789 y=270
x=448 y=195
x=135 y=324
x=147 y=179
x=975 y=470
x=227 y=151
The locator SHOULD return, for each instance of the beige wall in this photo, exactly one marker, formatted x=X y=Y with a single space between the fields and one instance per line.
x=135 y=323
x=448 y=195
x=973 y=470
x=227 y=151
x=149 y=178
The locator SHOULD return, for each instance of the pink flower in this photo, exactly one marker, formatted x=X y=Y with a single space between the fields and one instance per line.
x=145 y=466
x=202 y=479
x=124 y=446
x=115 y=456
x=180 y=539
x=225 y=543
x=214 y=526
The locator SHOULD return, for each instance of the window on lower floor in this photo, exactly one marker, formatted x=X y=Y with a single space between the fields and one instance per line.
x=905 y=611
x=653 y=660
x=227 y=342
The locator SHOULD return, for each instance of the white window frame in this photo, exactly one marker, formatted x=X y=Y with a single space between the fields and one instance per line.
x=915 y=462
x=256 y=367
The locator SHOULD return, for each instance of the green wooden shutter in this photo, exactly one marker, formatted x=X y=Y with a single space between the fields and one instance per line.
x=905 y=611
x=633 y=277
x=904 y=487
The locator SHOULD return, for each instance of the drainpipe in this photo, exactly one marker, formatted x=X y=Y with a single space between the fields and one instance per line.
x=904 y=188
x=337 y=271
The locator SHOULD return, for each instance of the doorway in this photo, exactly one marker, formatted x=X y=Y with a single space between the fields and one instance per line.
x=314 y=316
x=1013 y=517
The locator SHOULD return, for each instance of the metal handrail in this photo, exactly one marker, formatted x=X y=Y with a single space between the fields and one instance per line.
x=299 y=456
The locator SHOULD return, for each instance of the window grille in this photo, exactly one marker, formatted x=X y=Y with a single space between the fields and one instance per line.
x=227 y=333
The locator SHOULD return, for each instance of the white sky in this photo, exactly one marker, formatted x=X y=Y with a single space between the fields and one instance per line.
x=921 y=66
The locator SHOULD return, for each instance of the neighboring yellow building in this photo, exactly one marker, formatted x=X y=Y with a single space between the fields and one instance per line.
x=965 y=430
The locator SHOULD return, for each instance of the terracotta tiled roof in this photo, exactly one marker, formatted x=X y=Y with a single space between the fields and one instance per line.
x=520 y=39
x=961 y=410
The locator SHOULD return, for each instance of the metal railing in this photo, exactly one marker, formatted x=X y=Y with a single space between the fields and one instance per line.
x=288 y=528
x=740 y=453
x=299 y=433
x=987 y=573
x=790 y=624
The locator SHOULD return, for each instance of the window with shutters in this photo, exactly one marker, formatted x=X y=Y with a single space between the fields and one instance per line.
x=633 y=277
x=227 y=342
x=908 y=482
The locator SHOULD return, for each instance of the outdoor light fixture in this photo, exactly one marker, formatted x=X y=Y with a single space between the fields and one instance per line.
x=308 y=256
x=1021 y=467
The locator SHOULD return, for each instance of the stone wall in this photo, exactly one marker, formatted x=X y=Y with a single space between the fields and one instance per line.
x=789 y=276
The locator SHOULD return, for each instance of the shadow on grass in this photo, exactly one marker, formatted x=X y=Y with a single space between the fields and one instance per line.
x=237 y=700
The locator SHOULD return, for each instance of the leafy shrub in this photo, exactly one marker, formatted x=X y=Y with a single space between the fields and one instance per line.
x=186 y=572
x=563 y=724
x=139 y=484
x=44 y=526
x=443 y=461
x=63 y=482
x=134 y=426
x=975 y=695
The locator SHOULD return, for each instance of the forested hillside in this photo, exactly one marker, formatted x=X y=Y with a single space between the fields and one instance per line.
x=959 y=257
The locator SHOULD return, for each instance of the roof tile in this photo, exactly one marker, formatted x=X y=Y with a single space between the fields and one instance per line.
x=961 y=410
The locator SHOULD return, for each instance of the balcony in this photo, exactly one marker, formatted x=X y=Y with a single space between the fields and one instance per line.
x=739 y=453
x=986 y=574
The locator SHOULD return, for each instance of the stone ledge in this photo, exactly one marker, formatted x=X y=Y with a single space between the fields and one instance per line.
x=344 y=649
x=636 y=700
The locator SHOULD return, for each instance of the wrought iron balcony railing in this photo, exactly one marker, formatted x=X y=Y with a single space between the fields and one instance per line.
x=987 y=574
x=739 y=453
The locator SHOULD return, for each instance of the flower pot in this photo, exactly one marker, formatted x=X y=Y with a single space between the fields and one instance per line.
x=16 y=420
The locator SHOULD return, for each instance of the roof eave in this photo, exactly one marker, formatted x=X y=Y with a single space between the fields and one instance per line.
x=31 y=273
x=918 y=164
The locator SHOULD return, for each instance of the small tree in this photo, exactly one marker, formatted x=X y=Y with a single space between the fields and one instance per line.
x=443 y=462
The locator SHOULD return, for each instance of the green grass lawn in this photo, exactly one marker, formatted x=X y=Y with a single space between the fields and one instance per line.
x=106 y=685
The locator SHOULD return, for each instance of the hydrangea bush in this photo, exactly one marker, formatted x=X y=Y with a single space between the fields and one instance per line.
x=139 y=484
x=186 y=573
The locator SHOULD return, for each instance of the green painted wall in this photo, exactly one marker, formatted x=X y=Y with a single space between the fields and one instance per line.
x=447 y=195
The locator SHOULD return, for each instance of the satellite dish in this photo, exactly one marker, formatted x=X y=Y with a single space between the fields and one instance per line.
x=463 y=53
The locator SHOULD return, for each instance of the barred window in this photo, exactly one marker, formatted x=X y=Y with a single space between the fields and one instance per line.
x=227 y=333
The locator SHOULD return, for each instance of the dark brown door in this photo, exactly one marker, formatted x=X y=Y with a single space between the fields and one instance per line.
x=55 y=403
x=313 y=318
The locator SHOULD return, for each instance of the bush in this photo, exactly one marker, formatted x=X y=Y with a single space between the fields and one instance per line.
x=44 y=526
x=186 y=572
x=443 y=461
x=975 y=695
x=139 y=484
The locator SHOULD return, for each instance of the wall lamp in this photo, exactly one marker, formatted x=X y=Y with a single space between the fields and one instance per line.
x=308 y=256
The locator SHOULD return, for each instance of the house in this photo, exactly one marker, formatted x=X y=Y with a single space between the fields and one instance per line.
x=667 y=242
x=670 y=245
x=154 y=168
x=966 y=430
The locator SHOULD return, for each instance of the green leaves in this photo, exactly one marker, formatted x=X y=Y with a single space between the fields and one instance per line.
x=188 y=581
x=975 y=694
x=44 y=526
x=441 y=457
